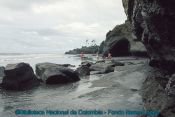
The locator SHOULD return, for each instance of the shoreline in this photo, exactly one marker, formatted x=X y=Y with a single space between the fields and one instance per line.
x=103 y=91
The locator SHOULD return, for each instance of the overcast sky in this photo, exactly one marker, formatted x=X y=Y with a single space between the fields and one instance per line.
x=55 y=25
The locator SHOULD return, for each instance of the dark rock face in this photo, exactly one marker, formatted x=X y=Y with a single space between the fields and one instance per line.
x=122 y=45
x=155 y=97
x=55 y=74
x=153 y=23
x=19 y=77
x=170 y=87
x=119 y=47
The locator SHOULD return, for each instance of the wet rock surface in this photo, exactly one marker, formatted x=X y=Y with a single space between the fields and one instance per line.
x=19 y=77
x=51 y=73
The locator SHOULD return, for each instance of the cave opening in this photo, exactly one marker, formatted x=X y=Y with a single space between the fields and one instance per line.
x=120 y=48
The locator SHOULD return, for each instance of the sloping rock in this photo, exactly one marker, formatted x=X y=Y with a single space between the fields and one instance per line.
x=101 y=68
x=51 y=73
x=19 y=77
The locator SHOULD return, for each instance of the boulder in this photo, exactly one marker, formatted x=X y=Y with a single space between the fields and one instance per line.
x=51 y=73
x=83 y=70
x=19 y=77
x=101 y=68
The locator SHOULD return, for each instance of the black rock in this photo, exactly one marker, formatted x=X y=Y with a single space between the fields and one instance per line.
x=51 y=73
x=19 y=77
x=153 y=23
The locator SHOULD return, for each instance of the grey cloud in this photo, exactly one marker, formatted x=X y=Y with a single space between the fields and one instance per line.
x=58 y=25
x=22 y=4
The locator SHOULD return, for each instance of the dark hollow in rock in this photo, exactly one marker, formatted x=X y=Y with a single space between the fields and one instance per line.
x=120 y=48
x=19 y=77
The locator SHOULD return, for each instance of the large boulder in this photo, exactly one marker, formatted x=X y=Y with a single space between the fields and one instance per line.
x=19 y=77
x=51 y=73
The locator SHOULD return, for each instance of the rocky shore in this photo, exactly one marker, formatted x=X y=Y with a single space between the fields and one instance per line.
x=109 y=84
x=128 y=82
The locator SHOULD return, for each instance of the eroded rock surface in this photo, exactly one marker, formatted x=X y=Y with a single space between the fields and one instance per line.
x=51 y=73
x=153 y=23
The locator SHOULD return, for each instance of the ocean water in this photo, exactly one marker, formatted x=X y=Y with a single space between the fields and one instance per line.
x=90 y=93
x=44 y=97
x=33 y=59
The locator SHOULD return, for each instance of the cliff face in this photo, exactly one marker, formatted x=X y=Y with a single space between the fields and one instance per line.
x=153 y=23
x=121 y=42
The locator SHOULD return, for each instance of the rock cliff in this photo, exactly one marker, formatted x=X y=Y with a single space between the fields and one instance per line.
x=153 y=23
x=121 y=42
